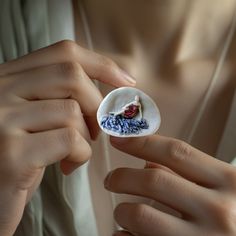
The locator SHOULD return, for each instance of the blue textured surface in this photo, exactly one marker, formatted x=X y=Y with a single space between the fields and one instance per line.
x=122 y=125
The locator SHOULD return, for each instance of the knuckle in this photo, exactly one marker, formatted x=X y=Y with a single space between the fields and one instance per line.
x=86 y=155
x=105 y=61
x=79 y=150
x=132 y=216
x=71 y=70
x=72 y=110
x=71 y=137
x=86 y=151
x=9 y=145
x=179 y=150
x=81 y=156
x=140 y=214
x=68 y=48
x=49 y=106
x=106 y=64
x=224 y=213
x=154 y=179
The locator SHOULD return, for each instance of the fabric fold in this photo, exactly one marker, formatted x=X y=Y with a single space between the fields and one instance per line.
x=7 y=35
x=19 y=28
x=36 y=23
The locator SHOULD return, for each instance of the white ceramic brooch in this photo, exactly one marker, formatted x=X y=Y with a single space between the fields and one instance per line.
x=128 y=112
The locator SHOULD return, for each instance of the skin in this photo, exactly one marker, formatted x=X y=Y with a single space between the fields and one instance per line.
x=172 y=47
x=47 y=114
x=202 y=189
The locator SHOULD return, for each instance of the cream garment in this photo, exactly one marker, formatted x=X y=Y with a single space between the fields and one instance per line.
x=118 y=29
x=63 y=205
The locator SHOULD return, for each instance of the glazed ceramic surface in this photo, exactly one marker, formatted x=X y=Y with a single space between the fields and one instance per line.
x=145 y=122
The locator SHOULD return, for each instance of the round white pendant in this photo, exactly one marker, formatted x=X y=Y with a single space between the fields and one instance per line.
x=128 y=112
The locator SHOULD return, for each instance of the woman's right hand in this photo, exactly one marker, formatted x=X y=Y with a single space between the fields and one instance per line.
x=47 y=114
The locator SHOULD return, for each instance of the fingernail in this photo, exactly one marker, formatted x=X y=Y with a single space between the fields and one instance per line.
x=107 y=180
x=128 y=77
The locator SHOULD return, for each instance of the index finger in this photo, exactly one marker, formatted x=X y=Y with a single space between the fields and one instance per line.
x=177 y=155
x=96 y=66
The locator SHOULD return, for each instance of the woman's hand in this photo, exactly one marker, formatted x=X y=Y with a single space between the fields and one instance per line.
x=201 y=188
x=47 y=114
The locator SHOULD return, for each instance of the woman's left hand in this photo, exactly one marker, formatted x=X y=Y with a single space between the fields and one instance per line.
x=202 y=189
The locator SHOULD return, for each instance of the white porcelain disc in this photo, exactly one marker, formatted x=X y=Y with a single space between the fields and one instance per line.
x=120 y=97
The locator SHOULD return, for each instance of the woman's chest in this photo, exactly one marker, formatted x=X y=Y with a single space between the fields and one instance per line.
x=172 y=50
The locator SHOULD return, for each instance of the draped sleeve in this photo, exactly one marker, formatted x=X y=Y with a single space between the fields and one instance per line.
x=62 y=205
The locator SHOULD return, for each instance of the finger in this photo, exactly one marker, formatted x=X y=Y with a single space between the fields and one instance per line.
x=152 y=165
x=58 y=81
x=42 y=115
x=159 y=185
x=96 y=66
x=49 y=147
x=141 y=219
x=176 y=155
